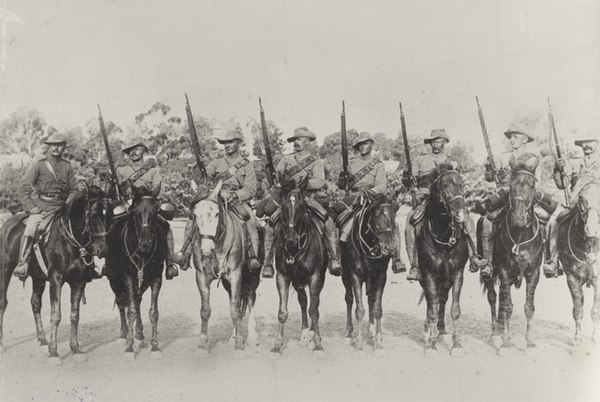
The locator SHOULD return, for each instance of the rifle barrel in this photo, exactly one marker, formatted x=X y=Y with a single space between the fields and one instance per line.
x=486 y=139
x=344 y=143
x=268 y=154
x=111 y=163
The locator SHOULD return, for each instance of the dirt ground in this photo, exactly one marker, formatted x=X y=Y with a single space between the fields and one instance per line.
x=555 y=372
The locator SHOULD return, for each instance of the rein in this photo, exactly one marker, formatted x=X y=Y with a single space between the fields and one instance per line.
x=569 y=243
x=372 y=252
x=456 y=229
x=140 y=269
x=302 y=233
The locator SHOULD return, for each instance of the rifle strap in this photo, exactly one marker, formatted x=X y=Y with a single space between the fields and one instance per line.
x=135 y=176
x=231 y=172
x=291 y=172
x=355 y=178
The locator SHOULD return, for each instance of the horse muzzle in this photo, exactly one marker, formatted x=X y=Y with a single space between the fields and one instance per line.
x=207 y=247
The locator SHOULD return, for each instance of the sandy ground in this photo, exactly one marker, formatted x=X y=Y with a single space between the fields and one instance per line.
x=555 y=372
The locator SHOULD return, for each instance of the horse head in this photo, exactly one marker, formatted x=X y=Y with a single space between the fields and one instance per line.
x=381 y=222
x=144 y=216
x=521 y=196
x=448 y=189
x=588 y=205
x=87 y=215
x=207 y=214
x=293 y=213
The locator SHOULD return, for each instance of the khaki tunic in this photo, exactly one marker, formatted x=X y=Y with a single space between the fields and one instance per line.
x=315 y=171
x=374 y=181
x=151 y=179
x=581 y=171
x=243 y=180
x=427 y=163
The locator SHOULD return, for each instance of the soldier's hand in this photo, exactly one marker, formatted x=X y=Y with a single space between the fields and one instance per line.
x=407 y=180
x=35 y=211
x=342 y=182
x=502 y=174
x=488 y=167
x=561 y=164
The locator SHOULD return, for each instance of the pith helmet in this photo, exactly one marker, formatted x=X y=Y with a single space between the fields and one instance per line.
x=302 y=132
x=230 y=135
x=435 y=134
x=135 y=144
x=55 y=139
x=579 y=143
x=508 y=133
x=363 y=137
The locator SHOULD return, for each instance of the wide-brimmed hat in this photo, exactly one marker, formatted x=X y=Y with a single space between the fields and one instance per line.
x=230 y=135
x=302 y=132
x=435 y=134
x=135 y=144
x=579 y=143
x=362 y=137
x=508 y=133
x=55 y=139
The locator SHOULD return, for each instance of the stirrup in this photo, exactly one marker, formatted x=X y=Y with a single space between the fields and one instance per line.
x=171 y=272
x=337 y=271
x=414 y=274
x=550 y=269
x=268 y=271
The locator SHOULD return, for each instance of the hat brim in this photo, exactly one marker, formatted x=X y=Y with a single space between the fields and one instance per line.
x=509 y=134
x=581 y=142
x=226 y=140
x=292 y=139
x=357 y=144
x=130 y=148
x=430 y=140
x=55 y=142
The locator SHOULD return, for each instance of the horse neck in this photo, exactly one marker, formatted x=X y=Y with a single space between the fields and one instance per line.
x=75 y=218
x=437 y=216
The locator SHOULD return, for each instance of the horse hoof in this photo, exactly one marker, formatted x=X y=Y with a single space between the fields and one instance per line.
x=43 y=349
x=496 y=341
x=121 y=342
x=129 y=356
x=252 y=340
x=347 y=341
x=138 y=343
x=54 y=361
x=503 y=351
x=319 y=353
x=379 y=353
x=156 y=355
x=430 y=352
x=457 y=352
x=80 y=357
x=304 y=338
x=201 y=353
x=238 y=354
x=274 y=355
x=446 y=339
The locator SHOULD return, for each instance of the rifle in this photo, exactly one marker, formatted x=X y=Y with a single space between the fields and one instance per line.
x=194 y=137
x=345 y=150
x=408 y=163
x=486 y=139
x=558 y=153
x=111 y=163
x=271 y=178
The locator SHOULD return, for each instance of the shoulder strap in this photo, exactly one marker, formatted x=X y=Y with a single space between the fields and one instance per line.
x=138 y=173
x=51 y=169
x=291 y=172
x=229 y=173
x=355 y=178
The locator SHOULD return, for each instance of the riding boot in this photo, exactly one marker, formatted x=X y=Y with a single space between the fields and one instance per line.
x=487 y=248
x=24 y=252
x=397 y=263
x=551 y=263
x=171 y=271
x=414 y=274
x=331 y=240
x=252 y=233
x=268 y=271
x=183 y=256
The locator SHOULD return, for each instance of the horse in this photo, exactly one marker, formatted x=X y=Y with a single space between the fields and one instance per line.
x=365 y=258
x=518 y=242
x=442 y=251
x=301 y=260
x=578 y=251
x=137 y=250
x=219 y=252
x=76 y=235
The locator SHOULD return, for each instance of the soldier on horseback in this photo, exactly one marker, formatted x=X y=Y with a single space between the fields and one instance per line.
x=139 y=173
x=239 y=187
x=579 y=172
x=300 y=165
x=493 y=206
x=423 y=170
x=367 y=174
x=48 y=184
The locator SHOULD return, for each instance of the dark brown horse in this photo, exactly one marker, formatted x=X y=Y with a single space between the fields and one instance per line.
x=137 y=250
x=301 y=259
x=442 y=254
x=219 y=250
x=579 y=252
x=77 y=234
x=517 y=253
x=365 y=258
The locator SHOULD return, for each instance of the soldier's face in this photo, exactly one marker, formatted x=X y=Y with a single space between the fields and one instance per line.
x=57 y=149
x=518 y=140
x=300 y=144
x=137 y=153
x=365 y=147
x=231 y=147
x=437 y=146
x=589 y=147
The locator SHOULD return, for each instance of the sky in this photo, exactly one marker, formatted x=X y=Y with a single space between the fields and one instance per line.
x=304 y=57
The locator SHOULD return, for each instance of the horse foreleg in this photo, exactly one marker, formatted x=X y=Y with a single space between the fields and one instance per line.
x=132 y=315
x=55 y=311
x=455 y=313
x=575 y=287
x=532 y=282
x=492 y=298
x=359 y=311
x=204 y=289
x=377 y=313
x=303 y=300
x=283 y=288
x=139 y=325
x=252 y=338
x=315 y=287
x=443 y=299
x=5 y=278
x=596 y=310
x=37 y=291
x=234 y=307
x=153 y=315
x=349 y=298
x=505 y=311
x=431 y=296
x=76 y=295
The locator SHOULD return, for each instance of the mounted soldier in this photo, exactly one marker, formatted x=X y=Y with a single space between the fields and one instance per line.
x=239 y=187
x=494 y=205
x=48 y=184
x=138 y=173
x=298 y=166
x=367 y=174
x=579 y=172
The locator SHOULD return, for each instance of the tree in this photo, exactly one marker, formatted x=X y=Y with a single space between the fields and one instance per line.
x=22 y=132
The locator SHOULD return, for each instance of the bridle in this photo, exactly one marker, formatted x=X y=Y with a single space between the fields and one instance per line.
x=300 y=233
x=517 y=244
x=140 y=268
x=456 y=228
x=512 y=200
x=372 y=249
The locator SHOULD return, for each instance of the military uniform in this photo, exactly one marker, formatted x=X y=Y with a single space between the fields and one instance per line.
x=47 y=185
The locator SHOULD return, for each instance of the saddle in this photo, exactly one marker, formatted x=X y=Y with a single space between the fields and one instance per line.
x=43 y=231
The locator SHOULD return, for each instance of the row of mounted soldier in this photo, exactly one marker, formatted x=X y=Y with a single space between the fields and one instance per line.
x=127 y=224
